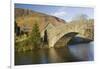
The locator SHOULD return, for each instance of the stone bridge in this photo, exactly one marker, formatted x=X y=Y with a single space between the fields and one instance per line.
x=61 y=35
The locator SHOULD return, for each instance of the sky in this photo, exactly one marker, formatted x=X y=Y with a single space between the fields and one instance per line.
x=64 y=12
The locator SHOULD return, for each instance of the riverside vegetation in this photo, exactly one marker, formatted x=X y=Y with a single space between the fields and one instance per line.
x=25 y=42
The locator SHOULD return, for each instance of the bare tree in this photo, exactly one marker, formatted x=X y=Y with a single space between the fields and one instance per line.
x=82 y=18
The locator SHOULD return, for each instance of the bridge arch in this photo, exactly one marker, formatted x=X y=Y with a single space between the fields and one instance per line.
x=61 y=42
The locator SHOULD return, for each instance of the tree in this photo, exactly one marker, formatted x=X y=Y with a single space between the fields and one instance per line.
x=82 y=18
x=35 y=36
x=17 y=29
x=91 y=21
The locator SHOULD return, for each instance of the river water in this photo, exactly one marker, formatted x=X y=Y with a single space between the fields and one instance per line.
x=72 y=53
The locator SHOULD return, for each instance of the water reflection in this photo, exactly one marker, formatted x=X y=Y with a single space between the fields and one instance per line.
x=83 y=51
x=79 y=52
x=53 y=55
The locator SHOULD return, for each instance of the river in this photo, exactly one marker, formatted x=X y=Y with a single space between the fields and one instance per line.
x=72 y=53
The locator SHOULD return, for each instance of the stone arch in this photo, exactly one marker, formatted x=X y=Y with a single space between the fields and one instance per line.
x=61 y=42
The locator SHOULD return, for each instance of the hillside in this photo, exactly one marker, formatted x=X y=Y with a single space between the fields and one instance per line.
x=26 y=18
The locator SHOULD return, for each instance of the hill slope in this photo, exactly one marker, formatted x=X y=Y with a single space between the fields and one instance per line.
x=26 y=18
